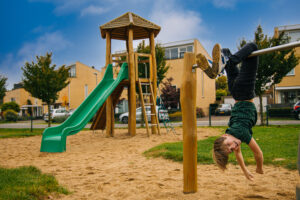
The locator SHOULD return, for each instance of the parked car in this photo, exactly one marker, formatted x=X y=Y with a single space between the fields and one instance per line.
x=162 y=114
x=296 y=110
x=223 y=109
x=60 y=112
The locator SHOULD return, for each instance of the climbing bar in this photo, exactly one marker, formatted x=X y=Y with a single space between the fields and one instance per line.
x=276 y=48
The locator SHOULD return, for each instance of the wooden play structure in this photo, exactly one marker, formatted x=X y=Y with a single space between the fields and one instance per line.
x=189 y=122
x=129 y=27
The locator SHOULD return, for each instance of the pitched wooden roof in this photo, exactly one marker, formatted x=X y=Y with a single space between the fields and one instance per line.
x=119 y=26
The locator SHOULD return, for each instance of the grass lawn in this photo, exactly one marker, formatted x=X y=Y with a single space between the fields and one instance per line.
x=278 y=143
x=28 y=183
x=24 y=132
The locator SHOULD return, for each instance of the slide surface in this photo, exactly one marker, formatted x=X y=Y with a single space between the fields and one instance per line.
x=54 y=138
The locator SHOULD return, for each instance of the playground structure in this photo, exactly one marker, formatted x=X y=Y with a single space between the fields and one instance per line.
x=105 y=96
x=189 y=123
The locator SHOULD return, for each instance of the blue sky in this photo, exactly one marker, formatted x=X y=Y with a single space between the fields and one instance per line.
x=70 y=28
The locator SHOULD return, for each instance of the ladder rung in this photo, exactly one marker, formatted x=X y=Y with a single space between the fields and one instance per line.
x=152 y=124
x=151 y=114
x=146 y=93
x=145 y=83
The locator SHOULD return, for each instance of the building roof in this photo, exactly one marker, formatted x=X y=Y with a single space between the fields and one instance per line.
x=119 y=26
x=288 y=27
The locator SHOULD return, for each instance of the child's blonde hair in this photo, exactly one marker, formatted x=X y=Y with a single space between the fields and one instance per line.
x=220 y=154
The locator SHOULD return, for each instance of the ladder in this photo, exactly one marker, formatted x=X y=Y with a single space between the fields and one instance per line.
x=151 y=102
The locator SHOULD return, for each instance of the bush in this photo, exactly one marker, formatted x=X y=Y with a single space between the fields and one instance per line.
x=280 y=112
x=60 y=119
x=10 y=106
x=10 y=115
x=199 y=112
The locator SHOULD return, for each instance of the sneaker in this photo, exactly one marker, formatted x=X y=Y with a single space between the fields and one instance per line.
x=202 y=62
x=220 y=58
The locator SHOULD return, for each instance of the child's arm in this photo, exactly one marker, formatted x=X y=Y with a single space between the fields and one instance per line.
x=240 y=160
x=258 y=155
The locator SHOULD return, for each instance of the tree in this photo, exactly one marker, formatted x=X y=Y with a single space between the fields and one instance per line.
x=162 y=68
x=273 y=66
x=10 y=106
x=2 y=88
x=221 y=87
x=169 y=94
x=43 y=81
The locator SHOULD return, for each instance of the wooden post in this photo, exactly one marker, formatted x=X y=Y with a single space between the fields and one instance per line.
x=154 y=81
x=132 y=90
x=188 y=105
x=109 y=104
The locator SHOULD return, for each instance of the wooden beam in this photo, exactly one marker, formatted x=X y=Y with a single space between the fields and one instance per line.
x=188 y=93
x=154 y=79
x=109 y=104
x=132 y=90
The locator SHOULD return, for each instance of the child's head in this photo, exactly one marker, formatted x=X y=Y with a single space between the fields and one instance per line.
x=223 y=146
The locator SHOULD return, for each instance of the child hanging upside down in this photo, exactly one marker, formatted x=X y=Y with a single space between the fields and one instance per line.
x=241 y=84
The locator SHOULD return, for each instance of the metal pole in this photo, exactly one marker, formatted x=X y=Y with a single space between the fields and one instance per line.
x=276 y=48
x=267 y=109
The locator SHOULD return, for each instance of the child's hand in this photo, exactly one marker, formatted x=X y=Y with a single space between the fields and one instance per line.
x=259 y=170
x=248 y=175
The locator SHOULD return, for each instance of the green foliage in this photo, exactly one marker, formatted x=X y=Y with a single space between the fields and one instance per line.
x=160 y=61
x=10 y=115
x=199 y=112
x=29 y=108
x=16 y=133
x=10 y=106
x=221 y=83
x=27 y=183
x=278 y=143
x=220 y=93
x=43 y=81
x=2 y=87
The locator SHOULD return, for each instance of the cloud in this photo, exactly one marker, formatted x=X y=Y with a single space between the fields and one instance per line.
x=92 y=10
x=177 y=23
x=12 y=62
x=224 y=3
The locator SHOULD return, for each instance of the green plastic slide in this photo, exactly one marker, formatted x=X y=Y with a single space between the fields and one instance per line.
x=54 y=138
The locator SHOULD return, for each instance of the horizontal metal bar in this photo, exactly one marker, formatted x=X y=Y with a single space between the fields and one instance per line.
x=276 y=48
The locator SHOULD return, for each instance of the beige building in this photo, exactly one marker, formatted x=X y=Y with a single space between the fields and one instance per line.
x=288 y=90
x=83 y=79
x=206 y=93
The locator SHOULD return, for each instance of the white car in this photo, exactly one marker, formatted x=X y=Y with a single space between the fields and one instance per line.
x=56 y=113
x=162 y=114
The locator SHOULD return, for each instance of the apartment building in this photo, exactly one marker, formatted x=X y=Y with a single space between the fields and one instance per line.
x=174 y=52
x=288 y=90
x=83 y=79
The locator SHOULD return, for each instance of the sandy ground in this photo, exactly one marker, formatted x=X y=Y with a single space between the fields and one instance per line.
x=96 y=167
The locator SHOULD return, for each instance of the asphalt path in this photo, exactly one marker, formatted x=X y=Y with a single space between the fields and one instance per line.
x=215 y=121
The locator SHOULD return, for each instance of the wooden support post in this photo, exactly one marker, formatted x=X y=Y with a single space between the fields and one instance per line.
x=109 y=104
x=188 y=105
x=132 y=90
x=154 y=81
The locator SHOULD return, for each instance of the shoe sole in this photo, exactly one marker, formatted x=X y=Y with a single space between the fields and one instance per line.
x=217 y=62
x=202 y=62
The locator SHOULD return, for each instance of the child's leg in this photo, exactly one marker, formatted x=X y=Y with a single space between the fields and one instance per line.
x=244 y=84
x=202 y=62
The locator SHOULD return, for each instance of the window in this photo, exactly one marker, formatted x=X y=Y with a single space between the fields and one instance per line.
x=294 y=36
x=174 y=53
x=182 y=51
x=291 y=73
x=167 y=54
x=13 y=99
x=72 y=72
x=190 y=49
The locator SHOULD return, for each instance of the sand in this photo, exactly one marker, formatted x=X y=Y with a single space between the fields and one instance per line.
x=97 y=167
